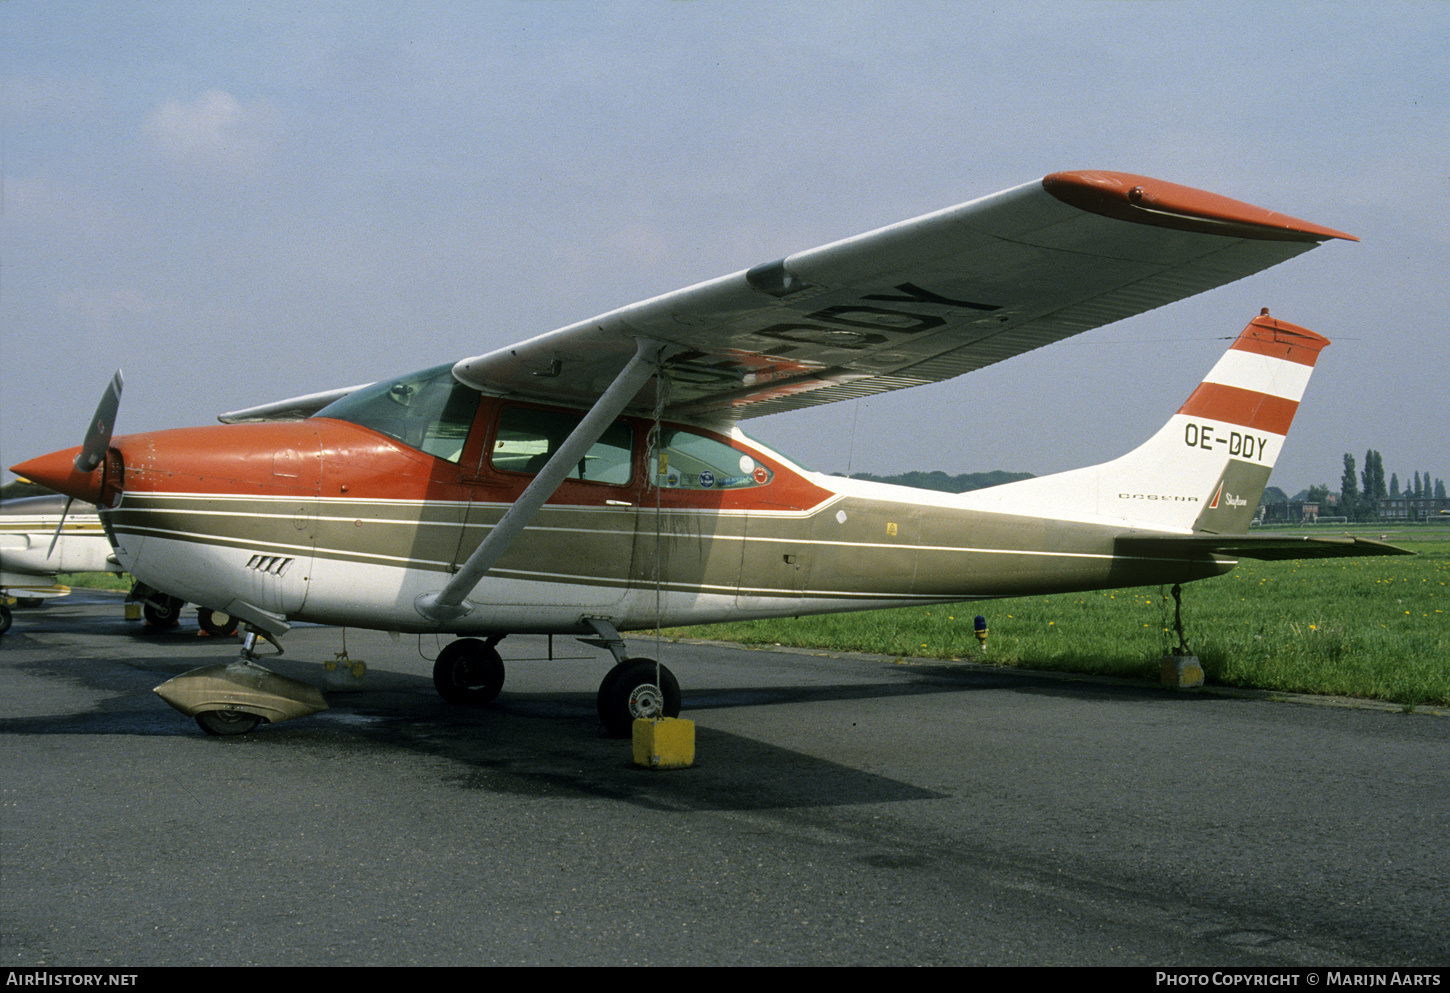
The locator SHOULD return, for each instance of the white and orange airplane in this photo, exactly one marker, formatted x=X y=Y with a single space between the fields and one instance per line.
x=592 y=480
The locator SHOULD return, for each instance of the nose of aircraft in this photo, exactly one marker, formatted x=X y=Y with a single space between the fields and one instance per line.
x=58 y=472
x=81 y=472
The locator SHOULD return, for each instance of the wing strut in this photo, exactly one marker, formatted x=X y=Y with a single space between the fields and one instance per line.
x=450 y=602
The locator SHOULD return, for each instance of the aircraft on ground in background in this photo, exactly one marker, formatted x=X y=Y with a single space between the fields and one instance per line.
x=41 y=538
x=35 y=548
x=593 y=480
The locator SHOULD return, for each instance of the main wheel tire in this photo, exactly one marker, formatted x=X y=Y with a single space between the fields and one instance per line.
x=5 y=618
x=216 y=622
x=468 y=671
x=165 y=614
x=227 y=722
x=629 y=691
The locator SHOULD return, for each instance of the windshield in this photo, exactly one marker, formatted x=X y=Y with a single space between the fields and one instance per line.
x=429 y=410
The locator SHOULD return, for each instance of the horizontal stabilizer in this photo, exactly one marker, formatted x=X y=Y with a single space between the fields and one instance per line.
x=1259 y=546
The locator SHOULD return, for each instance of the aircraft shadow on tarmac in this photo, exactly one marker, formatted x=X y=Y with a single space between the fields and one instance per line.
x=532 y=744
x=539 y=743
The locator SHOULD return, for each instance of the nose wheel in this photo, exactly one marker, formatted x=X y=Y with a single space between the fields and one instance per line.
x=227 y=722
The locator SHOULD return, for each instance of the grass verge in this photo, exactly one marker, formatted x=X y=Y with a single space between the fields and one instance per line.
x=95 y=580
x=1359 y=627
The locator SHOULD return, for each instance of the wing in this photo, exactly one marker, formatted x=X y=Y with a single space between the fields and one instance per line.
x=917 y=302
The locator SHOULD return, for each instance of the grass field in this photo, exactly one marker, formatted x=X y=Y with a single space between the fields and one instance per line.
x=95 y=580
x=1361 y=627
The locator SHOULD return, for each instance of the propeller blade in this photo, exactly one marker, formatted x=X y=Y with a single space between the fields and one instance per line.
x=98 y=435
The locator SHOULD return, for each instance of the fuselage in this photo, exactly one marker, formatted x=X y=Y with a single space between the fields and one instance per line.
x=329 y=521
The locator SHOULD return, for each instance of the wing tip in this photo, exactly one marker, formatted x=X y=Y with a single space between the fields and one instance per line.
x=1144 y=200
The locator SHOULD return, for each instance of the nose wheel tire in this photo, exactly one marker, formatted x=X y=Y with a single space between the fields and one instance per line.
x=227 y=722
x=468 y=671
x=633 y=690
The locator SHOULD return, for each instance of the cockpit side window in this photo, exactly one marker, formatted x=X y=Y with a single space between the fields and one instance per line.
x=690 y=461
x=528 y=436
x=429 y=410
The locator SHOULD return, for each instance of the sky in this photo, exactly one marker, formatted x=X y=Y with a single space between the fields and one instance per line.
x=242 y=202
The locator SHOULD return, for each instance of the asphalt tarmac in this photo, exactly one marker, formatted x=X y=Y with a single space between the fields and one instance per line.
x=843 y=810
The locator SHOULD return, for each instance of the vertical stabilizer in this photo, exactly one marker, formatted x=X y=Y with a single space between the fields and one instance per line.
x=1206 y=469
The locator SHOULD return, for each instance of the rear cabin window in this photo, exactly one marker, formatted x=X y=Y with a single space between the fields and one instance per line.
x=527 y=437
x=689 y=461
x=429 y=410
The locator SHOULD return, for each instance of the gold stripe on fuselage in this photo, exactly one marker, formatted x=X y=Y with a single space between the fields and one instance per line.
x=860 y=549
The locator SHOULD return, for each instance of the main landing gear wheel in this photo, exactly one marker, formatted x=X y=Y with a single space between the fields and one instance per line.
x=216 y=622
x=468 y=671
x=227 y=722
x=165 y=613
x=5 y=618
x=629 y=691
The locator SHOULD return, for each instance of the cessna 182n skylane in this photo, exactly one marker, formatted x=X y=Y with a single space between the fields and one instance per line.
x=592 y=480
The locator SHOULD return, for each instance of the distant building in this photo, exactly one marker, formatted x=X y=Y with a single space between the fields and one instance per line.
x=1409 y=508
x=1289 y=512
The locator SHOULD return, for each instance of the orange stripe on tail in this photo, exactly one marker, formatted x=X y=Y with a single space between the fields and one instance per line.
x=1245 y=408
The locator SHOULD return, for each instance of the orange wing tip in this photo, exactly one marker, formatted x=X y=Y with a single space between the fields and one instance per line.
x=1144 y=200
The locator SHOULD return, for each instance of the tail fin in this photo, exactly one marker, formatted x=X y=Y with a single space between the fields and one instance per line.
x=1206 y=469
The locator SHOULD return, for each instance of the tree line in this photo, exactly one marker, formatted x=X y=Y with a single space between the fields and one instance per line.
x=1360 y=494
